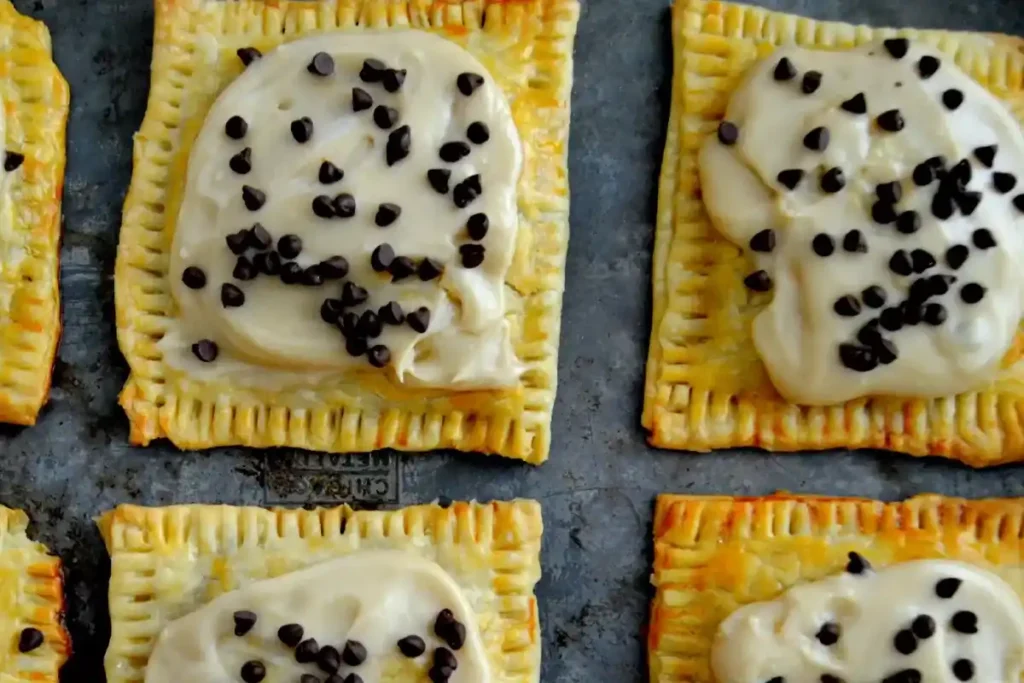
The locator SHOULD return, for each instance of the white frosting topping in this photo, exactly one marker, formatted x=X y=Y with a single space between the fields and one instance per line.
x=798 y=334
x=777 y=640
x=277 y=335
x=374 y=597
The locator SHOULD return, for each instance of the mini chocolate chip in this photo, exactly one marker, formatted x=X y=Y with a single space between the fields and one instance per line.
x=393 y=79
x=883 y=212
x=964 y=622
x=763 y=241
x=311 y=277
x=1018 y=202
x=356 y=345
x=268 y=263
x=923 y=626
x=823 y=245
x=302 y=129
x=897 y=47
x=922 y=260
x=472 y=255
x=419 y=320
x=193 y=277
x=927 y=66
x=290 y=634
x=885 y=351
x=920 y=290
x=784 y=70
x=908 y=222
x=477 y=133
x=940 y=283
x=331 y=310
x=873 y=296
x=817 y=139
x=847 y=306
x=467 y=82
x=833 y=180
x=361 y=100
x=257 y=237
x=401 y=268
x=986 y=155
x=891 y=319
x=205 y=350
x=857 y=358
x=891 y=121
x=328 y=659
x=333 y=268
x=373 y=70
x=231 y=296
x=323 y=207
x=982 y=238
x=758 y=281
x=244 y=269
x=900 y=263
x=399 y=142
x=828 y=634
x=905 y=642
x=972 y=293
x=385 y=117
x=391 y=313
x=1003 y=182
x=252 y=198
x=306 y=651
x=353 y=295
x=235 y=128
x=429 y=269
x=956 y=255
x=351 y=678
x=329 y=173
x=438 y=179
x=937 y=162
x=237 y=241
x=412 y=646
x=439 y=674
x=387 y=213
x=856 y=563
x=967 y=202
x=810 y=82
x=466 y=191
x=381 y=258
x=942 y=205
x=453 y=151
x=379 y=356
x=924 y=174
x=248 y=55
x=904 y=676
x=241 y=163
x=963 y=669
x=728 y=133
x=291 y=273
x=289 y=246
x=890 y=192
x=856 y=104
x=322 y=64
x=253 y=672
x=854 y=242
x=952 y=98
x=960 y=174
x=790 y=178
x=443 y=657
x=29 y=639
x=477 y=226
x=348 y=323
x=344 y=205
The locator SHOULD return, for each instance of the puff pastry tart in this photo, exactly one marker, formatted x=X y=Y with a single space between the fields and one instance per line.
x=802 y=589
x=32 y=122
x=838 y=258
x=35 y=644
x=345 y=239
x=229 y=594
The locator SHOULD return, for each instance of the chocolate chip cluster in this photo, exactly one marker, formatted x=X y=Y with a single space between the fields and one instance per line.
x=329 y=660
x=933 y=275
x=359 y=320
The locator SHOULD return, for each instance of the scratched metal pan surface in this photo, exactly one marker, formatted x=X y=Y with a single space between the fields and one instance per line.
x=599 y=485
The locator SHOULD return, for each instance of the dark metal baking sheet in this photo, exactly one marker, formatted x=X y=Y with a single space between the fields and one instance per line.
x=599 y=485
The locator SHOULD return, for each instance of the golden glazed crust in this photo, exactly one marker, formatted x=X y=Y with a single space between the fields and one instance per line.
x=706 y=387
x=713 y=554
x=166 y=562
x=35 y=101
x=31 y=595
x=527 y=46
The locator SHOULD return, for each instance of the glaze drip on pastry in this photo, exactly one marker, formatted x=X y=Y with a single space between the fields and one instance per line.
x=350 y=205
x=876 y=192
x=361 y=617
x=926 y=621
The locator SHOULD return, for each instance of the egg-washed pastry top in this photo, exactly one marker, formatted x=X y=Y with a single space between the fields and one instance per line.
x=877 y=191
x=924 y=621
x=371 y=616
x=350 y=205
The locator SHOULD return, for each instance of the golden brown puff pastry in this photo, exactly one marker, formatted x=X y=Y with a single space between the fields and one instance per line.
x=32 y=594
x=35 y=111
x=706 y=386
x=714 y=554
x=168 y=562
x=527 y=49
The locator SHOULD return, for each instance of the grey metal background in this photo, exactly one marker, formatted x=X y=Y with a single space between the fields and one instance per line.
x=599 y=485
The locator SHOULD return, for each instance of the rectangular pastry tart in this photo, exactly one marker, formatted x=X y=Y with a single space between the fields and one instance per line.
x=218 y=593
x=35 y=644
x=35 y=110
x=347 y=225
x=838 y=260
x=838 y=590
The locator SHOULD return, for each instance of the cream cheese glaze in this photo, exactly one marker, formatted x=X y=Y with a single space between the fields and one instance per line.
x=908 y=623
x=278 y=336
x=374 y=597
x=798 y=334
